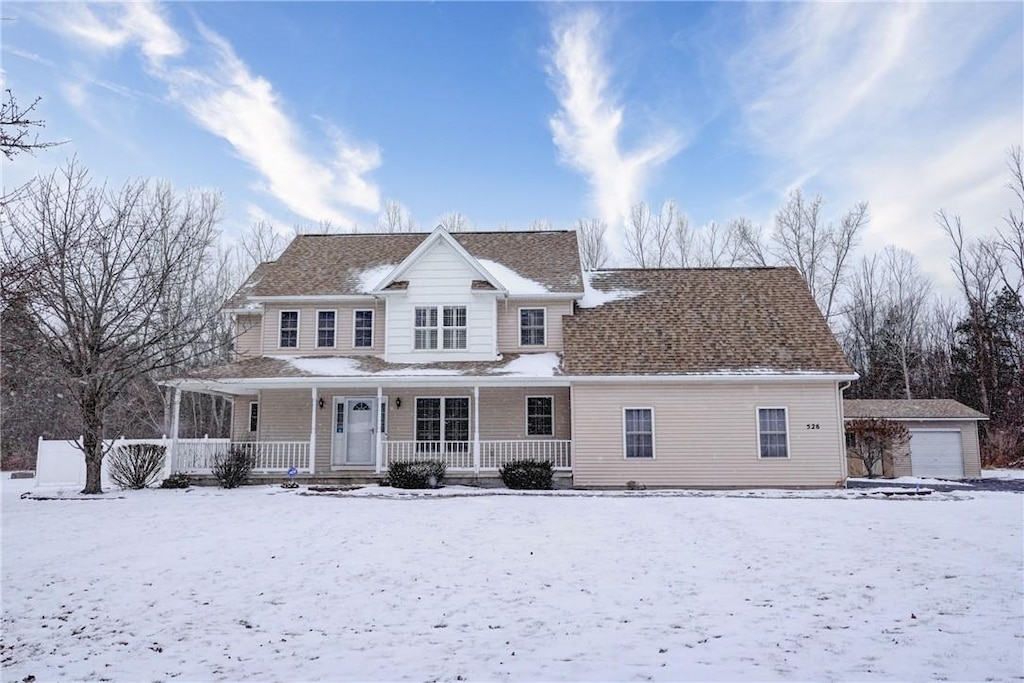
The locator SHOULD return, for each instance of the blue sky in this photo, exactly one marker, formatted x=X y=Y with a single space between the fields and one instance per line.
x=516 y=112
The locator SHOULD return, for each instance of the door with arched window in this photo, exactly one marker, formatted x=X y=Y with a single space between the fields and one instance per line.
x=354 y=435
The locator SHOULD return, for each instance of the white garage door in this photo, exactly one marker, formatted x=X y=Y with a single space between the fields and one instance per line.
x=936 y=454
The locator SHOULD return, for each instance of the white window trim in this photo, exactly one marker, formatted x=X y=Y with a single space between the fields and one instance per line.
x=519 y=326
x=373 y=326
x=436 y=328
x=654 y=440
x=416 y=408
x=316 y=341
x=526 y=417
x=442 y=327
x=298 y=327
x=757 y=422
x=249 y=417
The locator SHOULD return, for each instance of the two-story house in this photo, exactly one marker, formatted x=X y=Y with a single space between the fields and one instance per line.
x=357 y=351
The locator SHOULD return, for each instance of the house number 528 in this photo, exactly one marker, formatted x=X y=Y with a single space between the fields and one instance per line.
x=814 y=426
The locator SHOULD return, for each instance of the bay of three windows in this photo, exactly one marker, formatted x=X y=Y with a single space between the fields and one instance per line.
x=327 y=329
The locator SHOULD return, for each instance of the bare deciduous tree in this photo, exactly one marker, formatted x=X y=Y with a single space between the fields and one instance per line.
x=113 y=278
x=453 y=221
x=802 y=239
x=908 y=293
x=17 y=126
x=874 y=440
x=716 y=246
x=593 y=249
x=395 y=218
x=540 y=225
x=637 y=238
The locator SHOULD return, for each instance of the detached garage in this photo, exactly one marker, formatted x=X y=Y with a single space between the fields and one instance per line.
x=943 y=436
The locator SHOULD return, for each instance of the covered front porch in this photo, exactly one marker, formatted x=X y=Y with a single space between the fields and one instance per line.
x=337 y=428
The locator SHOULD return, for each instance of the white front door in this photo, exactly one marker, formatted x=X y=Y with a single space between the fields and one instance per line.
x=361 y=437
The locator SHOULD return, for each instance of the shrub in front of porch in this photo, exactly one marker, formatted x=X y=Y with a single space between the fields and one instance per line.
x=178 y=480
x=527 y=474
x=420 y=474
x=232 y=468
x=137 y=466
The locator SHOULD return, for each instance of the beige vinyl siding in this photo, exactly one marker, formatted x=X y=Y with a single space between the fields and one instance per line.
x=706 y=435
x=508 y=324
x=344 y=321
x=240 y=418
x=248 y=335
x=968 y=444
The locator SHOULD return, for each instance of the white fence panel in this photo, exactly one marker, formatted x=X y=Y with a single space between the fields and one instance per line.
x=61 y=462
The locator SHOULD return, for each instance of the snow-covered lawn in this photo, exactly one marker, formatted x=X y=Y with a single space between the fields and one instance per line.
x=1002 y=474
x=266 y=584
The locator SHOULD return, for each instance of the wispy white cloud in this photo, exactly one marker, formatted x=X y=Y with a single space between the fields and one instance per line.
x=218 y=90
x=588 y=127
x=908 y=106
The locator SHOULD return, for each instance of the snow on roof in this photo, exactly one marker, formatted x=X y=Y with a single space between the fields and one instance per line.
x=512 y=281
x=592 y=298
x=526 y=365
x=371 y=278
x=531 y=365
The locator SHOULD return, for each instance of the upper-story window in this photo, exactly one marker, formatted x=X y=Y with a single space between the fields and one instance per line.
x=425 y=331
x=325 y=328
x=362 y=330
x=452 y=327
x=532 y=330
x=289 y=336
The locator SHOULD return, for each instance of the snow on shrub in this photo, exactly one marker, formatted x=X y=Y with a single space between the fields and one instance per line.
x=527 y=474
x=178 y=480
x=420 y=474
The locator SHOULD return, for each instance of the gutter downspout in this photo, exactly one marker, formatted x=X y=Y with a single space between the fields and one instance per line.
x=840 y=388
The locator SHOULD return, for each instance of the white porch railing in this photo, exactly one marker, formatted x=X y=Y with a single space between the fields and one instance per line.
x=197 y=455
x=458 y=455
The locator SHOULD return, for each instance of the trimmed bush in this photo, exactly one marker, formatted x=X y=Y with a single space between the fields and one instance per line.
x=527 y=474
x=231 y=469
x=178 y=480
x=137 y=466
x=420 y=474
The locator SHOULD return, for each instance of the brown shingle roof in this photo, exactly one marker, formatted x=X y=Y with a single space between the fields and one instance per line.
x=240 y=299
x=904 y=409
x=333 y=264
x=695 y=321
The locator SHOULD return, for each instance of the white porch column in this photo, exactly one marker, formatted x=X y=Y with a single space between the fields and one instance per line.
x=376 y=429
x=312 y=432
x=476 y=429
x=175 y=423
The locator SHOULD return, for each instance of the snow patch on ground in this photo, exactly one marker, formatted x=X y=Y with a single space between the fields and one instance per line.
x=1002 y=474
x=263 y=584
x=516 y=284
x=592 y=298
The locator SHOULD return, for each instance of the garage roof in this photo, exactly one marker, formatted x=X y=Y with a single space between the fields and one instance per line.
x=914 y=409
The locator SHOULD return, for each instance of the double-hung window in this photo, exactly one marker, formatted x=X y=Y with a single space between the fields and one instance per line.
x=531 y=327
x=325 y=329
x=638 y=432
x=254 y=416
x=540 y=416
x=289 y=337
x=454 y=324
x=452 y=327
x=772 y=432
x=442 y=421
x=362 y=330
x=425 y=327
